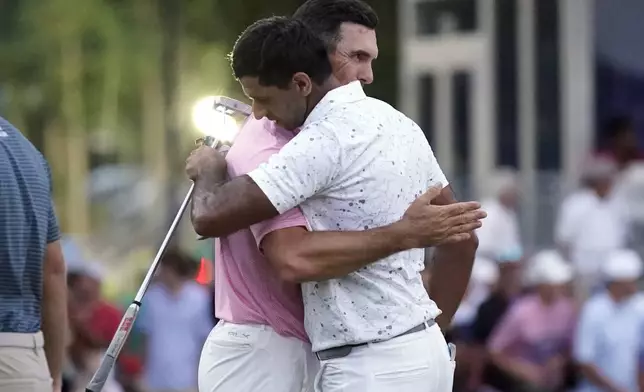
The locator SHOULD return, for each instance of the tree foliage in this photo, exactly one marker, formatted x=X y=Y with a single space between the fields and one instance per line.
x=84 y=80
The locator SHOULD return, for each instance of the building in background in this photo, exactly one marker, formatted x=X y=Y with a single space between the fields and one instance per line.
x=519 y=83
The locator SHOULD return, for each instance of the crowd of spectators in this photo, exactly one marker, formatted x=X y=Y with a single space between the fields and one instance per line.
x=163 y=350
x=570 y=318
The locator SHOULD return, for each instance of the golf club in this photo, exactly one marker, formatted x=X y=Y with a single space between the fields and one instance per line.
x=229 y=107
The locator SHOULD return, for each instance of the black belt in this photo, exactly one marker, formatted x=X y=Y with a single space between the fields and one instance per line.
x=343 y=351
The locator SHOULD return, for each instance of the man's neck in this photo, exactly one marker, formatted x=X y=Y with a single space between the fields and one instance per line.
x=319 y=92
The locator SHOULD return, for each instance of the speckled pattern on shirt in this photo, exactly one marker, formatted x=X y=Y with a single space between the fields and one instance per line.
x=357 y=163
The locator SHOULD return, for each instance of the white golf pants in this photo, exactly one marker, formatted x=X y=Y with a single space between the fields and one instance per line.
x=417 y=362
x=254 y=358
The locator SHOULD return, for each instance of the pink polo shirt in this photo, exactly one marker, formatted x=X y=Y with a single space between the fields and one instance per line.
x=247 y=289
x=536 y=332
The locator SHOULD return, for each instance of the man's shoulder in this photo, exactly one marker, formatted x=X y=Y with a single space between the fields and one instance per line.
x=597 y=306
x=257 y=141
x=367 y=108
x=24 y=153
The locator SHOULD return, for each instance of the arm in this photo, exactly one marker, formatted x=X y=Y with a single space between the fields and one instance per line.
x=220 y=208
x=302 y=168
x=54 y=302
x=505 y=335
x=593 y=374
x=299 y=255
x=451 y=269
x=565 y=225
x=584 y=350
x=302 y=256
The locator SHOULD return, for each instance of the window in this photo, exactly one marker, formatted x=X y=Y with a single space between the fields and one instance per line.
x=547 y=73
x=435 y=17
x=507 y=126
x=426 y=110
x=462 y=100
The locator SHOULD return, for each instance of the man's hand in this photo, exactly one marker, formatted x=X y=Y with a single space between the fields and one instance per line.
x=57 y=385
x=206 y=161
x=430 y=225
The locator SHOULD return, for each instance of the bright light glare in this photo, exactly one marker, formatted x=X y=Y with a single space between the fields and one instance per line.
x=211 y=122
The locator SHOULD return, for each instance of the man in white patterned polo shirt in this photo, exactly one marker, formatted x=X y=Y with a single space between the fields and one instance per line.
x=356 y=164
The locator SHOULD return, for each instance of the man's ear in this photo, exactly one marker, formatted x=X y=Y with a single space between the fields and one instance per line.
x=303 y=83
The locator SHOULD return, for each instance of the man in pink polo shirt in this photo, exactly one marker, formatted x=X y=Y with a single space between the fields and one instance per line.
x=260 y=343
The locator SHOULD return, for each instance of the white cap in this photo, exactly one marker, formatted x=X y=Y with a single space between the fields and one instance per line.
x=77 y=263
x=623 y=264
x=485 y=271
x=549 y=267
x=503 y=180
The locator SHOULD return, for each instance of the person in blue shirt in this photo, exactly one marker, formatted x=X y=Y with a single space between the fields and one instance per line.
x=609 y=332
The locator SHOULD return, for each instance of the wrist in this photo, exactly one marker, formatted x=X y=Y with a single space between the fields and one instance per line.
x=211 y=177
x=398 y=235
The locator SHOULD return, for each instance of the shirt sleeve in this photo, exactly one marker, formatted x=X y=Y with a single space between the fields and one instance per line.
x=567 y=220
x=507 y=332
x=306 y=166
x=583 y=348
x=53 y=231
x=436 y=175
x=291 y=218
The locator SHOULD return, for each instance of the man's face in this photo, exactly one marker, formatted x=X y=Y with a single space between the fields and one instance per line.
x=354 y=53
x=86 y=290
x=624 y=288
x=287 y=107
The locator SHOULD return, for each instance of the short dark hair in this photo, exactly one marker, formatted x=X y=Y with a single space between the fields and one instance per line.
x=617 y=126
x=275 y=48
x=325 y=17
x=180 y=263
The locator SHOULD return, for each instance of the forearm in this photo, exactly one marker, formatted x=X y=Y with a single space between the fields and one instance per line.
x=221 y=207
x=450 y=274
x=593 y=375
x=323 y=255
x=54 y=321
x=515 y=366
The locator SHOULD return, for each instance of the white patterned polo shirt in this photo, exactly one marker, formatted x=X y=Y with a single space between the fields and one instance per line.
x=356 y=164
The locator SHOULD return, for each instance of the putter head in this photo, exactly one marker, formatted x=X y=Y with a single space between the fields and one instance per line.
x=232 y=107
x=209 y=141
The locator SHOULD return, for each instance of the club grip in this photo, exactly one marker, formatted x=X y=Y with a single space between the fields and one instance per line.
x=100 y=377
x=210 y=141
x=115 y=347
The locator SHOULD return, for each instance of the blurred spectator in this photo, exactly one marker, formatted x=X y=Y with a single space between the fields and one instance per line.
x=485 y=274
x=591 y=224
x=176 y=321
x=33 y=320
x=487 y=317
x=621 y=146
x=531 y=343
x=499 y=237
x=609 y=332
x=93 y=321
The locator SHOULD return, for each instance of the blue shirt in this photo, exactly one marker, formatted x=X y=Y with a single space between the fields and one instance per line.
x=176 y=326
x=27 y=224
x=609 y=336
